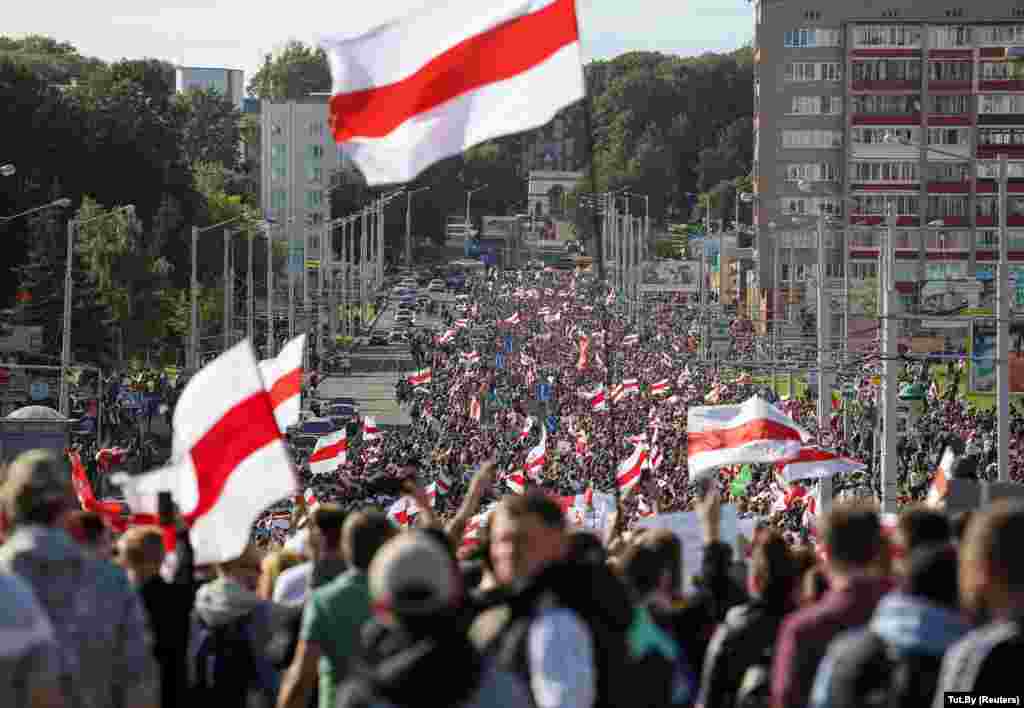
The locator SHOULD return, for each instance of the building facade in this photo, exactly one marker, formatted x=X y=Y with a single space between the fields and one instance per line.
x=229 y=83
x=861 y=105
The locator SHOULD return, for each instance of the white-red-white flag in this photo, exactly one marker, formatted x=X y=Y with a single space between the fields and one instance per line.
x=420 y=378
x=229 y=459
x=537 y=457
x=752 y=432
x=516 y=481
x=448 y=77
x=631 y=469
x=282 y=377
x=815 y=463
x=527 y=427
x=940 y=482
x=370 y=430
x=330 y=452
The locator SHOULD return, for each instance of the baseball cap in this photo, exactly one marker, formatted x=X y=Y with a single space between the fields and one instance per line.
x=412 y=574
x=36 y=479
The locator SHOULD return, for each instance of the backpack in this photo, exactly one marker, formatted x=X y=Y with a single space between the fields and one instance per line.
x=873 y=674
x=223 y=664
x=755 y=689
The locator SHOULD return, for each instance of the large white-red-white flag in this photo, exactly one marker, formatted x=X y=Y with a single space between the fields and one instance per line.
x=453 y=75
x=939 y=488
x=752 y=432
x=282 y=377
x=229 y=461
x=816 y=463
x=331 y=451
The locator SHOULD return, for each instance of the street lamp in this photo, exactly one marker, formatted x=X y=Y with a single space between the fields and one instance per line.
x=8 y=170
x=62 y=203
x=65 y=349
x=408 y=223
x=469 y=195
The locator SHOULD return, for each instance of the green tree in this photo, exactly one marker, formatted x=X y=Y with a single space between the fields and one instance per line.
x=292 y=74
x=210 y=128
x=864 y=297
x=52 y=61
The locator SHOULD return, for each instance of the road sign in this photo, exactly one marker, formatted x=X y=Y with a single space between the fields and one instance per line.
x=39 y=390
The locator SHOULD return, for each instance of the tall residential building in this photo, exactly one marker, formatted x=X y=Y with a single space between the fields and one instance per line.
x=863 y=103
x=299 y=158
x=229 y=83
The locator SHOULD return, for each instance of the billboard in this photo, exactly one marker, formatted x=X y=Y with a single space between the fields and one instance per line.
x=983 y=360
x=670 y=276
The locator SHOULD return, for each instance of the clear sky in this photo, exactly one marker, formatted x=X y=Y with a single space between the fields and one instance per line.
x=237 y=33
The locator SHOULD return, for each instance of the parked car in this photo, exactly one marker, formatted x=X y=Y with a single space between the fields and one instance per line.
x=397 y=336
x=378 y=337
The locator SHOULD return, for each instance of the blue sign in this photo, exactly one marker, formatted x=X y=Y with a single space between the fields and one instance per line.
x=508 y=343
x=544 y=392
x=39 y=390
x=499 y=361
x=552 y=424
x=472 y=248
x=984 y=275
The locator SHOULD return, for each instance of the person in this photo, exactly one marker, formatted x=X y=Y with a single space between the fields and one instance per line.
x=88 y=529
x=230 y=633
x=326 y=563
x=852 y=538
x=417 y=596
x=334 y=616
x=895 y=660
x=741 y=649
x=140 y=553
x=992 y=591
x=29 y=654
x=917 y=527
x=98 y=619
x=272 y=566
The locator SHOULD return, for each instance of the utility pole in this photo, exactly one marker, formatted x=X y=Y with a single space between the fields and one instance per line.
x=824 y=341
x=193 y=340
x=250 y=292
x=364 y=235
x=291 y=287
x=227 y=289
x=271 y=349
x=1003 y=315
x=889 y=368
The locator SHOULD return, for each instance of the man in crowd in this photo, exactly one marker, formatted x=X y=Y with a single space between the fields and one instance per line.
x=326 y=563
x=29 y=654
x=98 y=619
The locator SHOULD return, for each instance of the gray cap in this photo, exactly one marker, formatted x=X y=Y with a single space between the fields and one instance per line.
x=413 y=575
x=35 y=480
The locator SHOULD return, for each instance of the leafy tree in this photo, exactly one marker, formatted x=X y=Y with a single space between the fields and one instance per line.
x=210 y=128
x=865 y=297
x=52 y=61
x=292 y=74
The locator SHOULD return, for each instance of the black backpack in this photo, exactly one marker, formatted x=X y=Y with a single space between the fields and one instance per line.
x=223 y=665
x=872 y=674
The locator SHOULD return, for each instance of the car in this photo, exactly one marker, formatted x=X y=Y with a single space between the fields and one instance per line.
x=397 y=336
x=436 y=286
x=378 y=337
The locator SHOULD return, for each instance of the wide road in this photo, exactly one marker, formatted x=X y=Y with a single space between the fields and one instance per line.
x=376 y=370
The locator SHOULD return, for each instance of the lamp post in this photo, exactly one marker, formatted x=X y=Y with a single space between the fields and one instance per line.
x=408 y=223
x=65 y=349
x=469 y=196
x=62 y=203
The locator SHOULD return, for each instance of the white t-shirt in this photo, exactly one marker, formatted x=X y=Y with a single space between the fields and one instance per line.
x=292 y=585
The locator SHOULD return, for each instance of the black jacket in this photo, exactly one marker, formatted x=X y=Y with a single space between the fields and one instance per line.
x=738 y=643
x=169 y=608
x=986 y=660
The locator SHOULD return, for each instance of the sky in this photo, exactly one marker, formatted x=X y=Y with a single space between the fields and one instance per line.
x=238 y=33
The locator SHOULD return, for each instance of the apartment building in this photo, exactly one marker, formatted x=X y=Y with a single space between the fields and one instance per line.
x=229 y=83
x=863 y=104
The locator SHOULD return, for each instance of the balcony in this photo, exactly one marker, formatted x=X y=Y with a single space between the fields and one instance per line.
x=878 y=219
x=1001 y=85
x=988 y=186
x=884 y=187
x=990 y=151
x=938 y=120
x=998 y=119
x=886 y=119
x=886 y=86
x=1011 y=221
x=951 y=221
x=885 y=52
x=964 y=54
x=949 y=187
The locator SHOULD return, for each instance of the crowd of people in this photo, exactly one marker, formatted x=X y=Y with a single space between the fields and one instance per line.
x=424 y=568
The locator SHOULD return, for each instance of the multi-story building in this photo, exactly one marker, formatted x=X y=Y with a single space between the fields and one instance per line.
x=229 y=83
x=556 y=146
x=298 y=161
x=861 y=105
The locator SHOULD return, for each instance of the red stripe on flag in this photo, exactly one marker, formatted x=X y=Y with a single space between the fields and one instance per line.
x=762 y=429
x=285 y=387
x=244 y=429
x=499 y=54
x=330 y=451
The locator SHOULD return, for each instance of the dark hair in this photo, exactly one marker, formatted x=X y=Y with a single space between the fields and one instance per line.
x=992 y=538
x=772 y=564
x=853 y=535
x=585 y=547
x=920 y=526
x=933 y=574
x=89 y=524
x=327 y=521
x=363 y=534
x=533 y=503
x=648 y=557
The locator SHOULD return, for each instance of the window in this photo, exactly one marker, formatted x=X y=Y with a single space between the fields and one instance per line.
x=955 y=12
x=884 y=172
x=877 y=204
x=314 y=152
x=278 y=173
x=1001 y=136
x=813 y=37
x=816 y=105
x=950 y=105
x=275 y=129
x=887 y=70
x=314 y=243
x=1000 y=103
x=812 y=172
x=945 y=270
x=798 y=206
x=1000 y=71
x=1000 y=34
x=887 y=36
x=811 y=71
x=949 y=37
x=862 y=270
x=876 y=136
x=812 y=138
x=314 y=218
x=987 y=206
x=812 y=14
x=943 y=240
x=314 y=174
x=314 y=198
x=316 y=129
x=990 y=169
x=886 y=105
x=949 y=71
x=278 y=199
x=948 y=136
x=278 y=154
x=948 y=171
x=941 y=207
